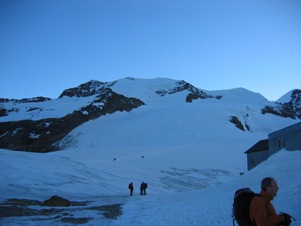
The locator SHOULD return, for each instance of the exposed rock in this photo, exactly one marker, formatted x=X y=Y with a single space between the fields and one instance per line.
x=56 y=201
x=109 y=211
x=74 y=220
x=23 y=202
x=84 y=90
x=44 y=135
x=291 y=109
x=25 y=100
x=34 y=99
x=193 y=95
x=23 y=208
x=3 y=112
x=237 y=123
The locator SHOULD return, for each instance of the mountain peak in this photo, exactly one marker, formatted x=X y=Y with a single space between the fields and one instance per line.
x=293 y=95
x=289 y=105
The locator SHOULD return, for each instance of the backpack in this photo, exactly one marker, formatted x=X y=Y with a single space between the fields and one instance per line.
x=241 y=204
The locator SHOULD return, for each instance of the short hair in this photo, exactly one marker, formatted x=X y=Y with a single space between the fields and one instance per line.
x=266 y=182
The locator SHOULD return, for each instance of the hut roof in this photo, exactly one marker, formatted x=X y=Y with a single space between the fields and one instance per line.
x=262 y=145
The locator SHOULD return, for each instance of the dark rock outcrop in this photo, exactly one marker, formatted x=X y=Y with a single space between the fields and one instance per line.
x=5 y=112
x=84 y=90
x=44 y=135
x=291 y=109
x=74 y=213
x=56 y=201
x=25 y=100
x=194 y=94
x=237 y=123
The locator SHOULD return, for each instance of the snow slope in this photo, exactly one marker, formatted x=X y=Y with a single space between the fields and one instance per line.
x=54 y=108
x=212 y=206
x=202 y=206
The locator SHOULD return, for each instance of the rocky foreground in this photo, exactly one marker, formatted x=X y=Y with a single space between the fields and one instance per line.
x=57 y=210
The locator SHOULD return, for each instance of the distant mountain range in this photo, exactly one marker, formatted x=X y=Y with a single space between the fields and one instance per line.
x=42 y=124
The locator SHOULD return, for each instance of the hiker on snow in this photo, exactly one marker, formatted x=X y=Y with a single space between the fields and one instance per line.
x=131 y=187
x=143 y=187
x=262 y=211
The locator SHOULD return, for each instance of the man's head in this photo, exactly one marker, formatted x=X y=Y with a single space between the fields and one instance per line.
x=269 y=185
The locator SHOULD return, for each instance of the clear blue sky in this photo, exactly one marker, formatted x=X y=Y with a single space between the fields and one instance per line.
x=47 y=46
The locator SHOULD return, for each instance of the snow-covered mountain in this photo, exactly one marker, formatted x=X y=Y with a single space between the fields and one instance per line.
x=39 y=124
x=188 y=144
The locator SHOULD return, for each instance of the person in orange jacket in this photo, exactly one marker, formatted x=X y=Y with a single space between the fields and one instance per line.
x=262 y=211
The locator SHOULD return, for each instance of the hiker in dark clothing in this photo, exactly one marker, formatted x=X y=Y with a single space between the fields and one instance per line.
x=131 y=187
x=143 y=187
